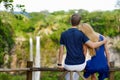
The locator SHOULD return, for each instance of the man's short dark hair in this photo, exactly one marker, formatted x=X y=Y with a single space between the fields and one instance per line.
x=75 y=19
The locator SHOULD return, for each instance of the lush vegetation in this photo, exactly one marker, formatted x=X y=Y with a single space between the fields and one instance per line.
x=6 y=35
x=44 y=76
x=5 y=76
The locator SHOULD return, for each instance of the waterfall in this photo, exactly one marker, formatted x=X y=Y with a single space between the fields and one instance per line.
x=37 y=58
x=35 y=75
x=31 y=49
x=31 y=54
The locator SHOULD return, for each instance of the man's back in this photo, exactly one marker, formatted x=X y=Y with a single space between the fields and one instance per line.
x=74 y=39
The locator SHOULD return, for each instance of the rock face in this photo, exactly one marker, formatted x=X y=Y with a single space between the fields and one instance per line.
x=18 y=55
x=114 y=53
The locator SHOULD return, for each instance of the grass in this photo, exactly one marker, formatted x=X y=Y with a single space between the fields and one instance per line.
x=6 y=76
x=47 y=75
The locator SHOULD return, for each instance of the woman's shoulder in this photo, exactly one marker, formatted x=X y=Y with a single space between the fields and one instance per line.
x=100 y=35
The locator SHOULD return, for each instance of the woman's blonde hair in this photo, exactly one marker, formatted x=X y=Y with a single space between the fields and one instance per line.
x=91 y=34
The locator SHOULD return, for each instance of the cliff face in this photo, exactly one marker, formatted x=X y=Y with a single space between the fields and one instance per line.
x=114 y=49
x=18 y=54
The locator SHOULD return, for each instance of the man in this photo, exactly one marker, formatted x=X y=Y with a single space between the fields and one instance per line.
x=73 y=39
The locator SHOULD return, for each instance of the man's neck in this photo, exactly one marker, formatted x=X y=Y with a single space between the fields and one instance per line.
x=74 y=26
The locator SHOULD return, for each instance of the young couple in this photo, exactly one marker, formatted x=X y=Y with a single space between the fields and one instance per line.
x=77 y=40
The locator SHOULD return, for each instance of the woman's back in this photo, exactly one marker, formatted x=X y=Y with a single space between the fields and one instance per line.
x=100 y=56
x=99 y=61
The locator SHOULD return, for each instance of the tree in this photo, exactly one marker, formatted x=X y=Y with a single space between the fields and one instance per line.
x=7 y=4
x=21 y=7
x=6 y=38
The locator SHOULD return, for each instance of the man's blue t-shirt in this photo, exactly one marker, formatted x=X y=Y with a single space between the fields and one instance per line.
x=74 y=39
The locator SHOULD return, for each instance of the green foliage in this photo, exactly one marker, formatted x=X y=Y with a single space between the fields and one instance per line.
x=1 y=58
x=6 y=32
x=50 y=75
x=117 y=75
x=6 y=38
x=5 y=76
x=56 y=35
x=105 y=22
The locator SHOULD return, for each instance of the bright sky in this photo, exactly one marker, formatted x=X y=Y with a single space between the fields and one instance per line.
x=55 y=5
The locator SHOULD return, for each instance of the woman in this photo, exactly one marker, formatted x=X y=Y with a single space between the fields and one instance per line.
x=99 y=57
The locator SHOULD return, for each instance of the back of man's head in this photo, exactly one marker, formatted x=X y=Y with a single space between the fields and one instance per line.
x=75 y=19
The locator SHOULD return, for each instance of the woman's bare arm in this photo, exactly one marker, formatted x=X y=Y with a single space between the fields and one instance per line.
x=107 y=54
x=85 y=50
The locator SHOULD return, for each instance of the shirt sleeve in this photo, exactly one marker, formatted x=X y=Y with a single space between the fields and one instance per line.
x=62 y=40
x=85 y=38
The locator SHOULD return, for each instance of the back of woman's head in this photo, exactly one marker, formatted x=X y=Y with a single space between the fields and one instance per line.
x=75 y=19
x=90 y=33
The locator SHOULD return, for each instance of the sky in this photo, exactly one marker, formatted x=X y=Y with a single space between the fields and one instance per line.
x=56 y=5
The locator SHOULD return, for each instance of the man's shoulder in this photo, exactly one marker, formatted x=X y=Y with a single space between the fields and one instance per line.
x=81 y=33
x=69 y=31
x=65 y=31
